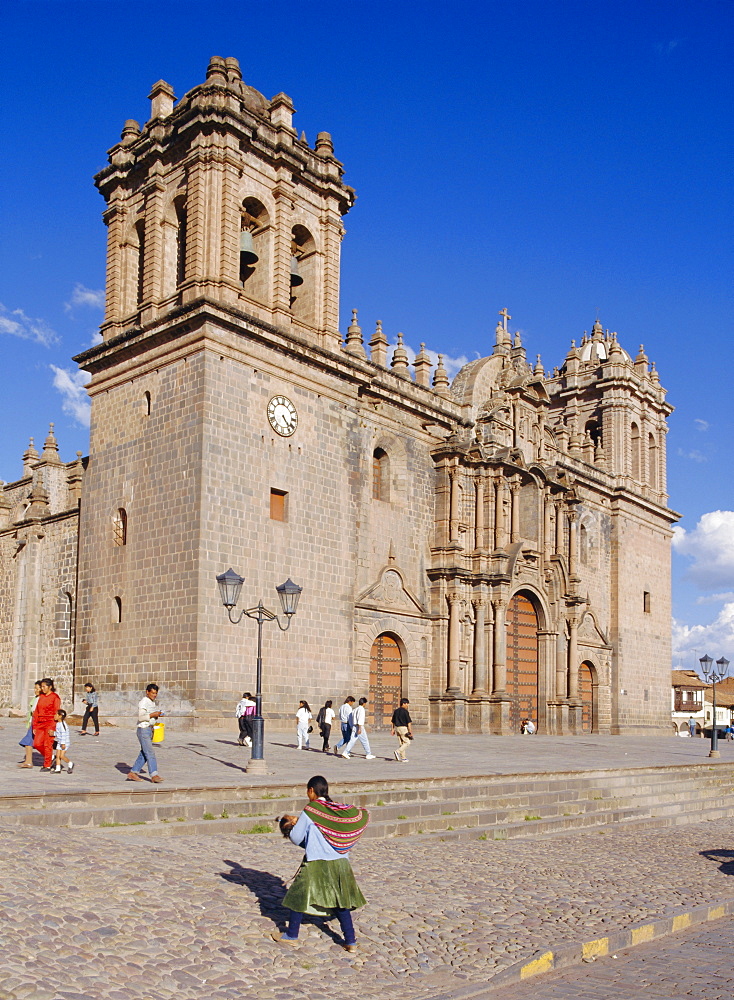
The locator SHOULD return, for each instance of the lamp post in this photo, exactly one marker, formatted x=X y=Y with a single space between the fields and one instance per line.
x=716 y=673
x=230 y=584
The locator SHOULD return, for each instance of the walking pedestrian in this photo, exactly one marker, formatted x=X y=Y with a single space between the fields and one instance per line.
x=359 y=732
x=91 y=700
x=27 y=741
x=304 y=727
x=148 y=711
x=46 y=708
x=324 y=720
x=324 y=885
x=345 y=720
x=62 y=739
x=692 y=726
x=402 y=727
x=244 y=712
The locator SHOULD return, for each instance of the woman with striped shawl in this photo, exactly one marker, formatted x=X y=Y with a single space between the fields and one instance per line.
x=324 y=885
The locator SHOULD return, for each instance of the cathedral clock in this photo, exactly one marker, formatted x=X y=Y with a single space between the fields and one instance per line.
x=282 y=416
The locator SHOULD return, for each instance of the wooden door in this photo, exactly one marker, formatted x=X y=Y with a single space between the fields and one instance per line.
x=586 y=694
x=385 y=681
x=522 y=660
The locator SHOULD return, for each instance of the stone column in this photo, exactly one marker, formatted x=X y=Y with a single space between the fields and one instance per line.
x=573 y=656
x=559 y=527
x=572 y=543
x=332 y=231
x=282 y=237
x=500 y=648
x=454 y=512
x=515 y=511
x=547 y=526
x=454 y=600
x=500 y=535
x=479 y=513
x=561 y=666
x=115 y=306
x=480 y=649
x=153 y=259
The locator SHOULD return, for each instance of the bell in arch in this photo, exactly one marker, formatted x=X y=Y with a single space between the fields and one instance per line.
x=247 y=249
x=296 y=278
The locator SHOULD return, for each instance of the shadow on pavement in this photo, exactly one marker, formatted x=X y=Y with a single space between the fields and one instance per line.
x=724 y=856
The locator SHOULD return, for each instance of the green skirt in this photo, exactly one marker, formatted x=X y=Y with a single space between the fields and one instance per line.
x=320 y=887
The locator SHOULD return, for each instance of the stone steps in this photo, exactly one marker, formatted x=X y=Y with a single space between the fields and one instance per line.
x=494 y=807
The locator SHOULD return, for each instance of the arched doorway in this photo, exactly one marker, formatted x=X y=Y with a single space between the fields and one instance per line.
x=522 y=660
x=385 y=681
x=586 y=694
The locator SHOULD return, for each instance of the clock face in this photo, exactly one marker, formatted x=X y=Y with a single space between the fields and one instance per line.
x=282 y=416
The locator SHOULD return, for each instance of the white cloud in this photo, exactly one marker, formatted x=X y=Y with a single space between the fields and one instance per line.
x=701 y=425
x=690 y=642
x=17 y=324
x=74 y=398
x=711 y=547
x=694 y=455
x=452 y=365
x=666 y=48
x=97 y=338
x=727 y=595
x=83 y=296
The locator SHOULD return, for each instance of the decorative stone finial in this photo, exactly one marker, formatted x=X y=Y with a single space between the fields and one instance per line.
x=281 y=111
x=423 y=365
x=324 y=145
x=572 y=359
x=391 y=552
x=641 y=361
x=354 y=344
x=441 y=378
x=50 y=448
x=234 y=74
x=538 y=370
x=161 y=99
x=130 y=132
x=378 y=346
x=216 y=71
x=597 y=330
x=654 y=376
x=399 y=362
x=30 y=457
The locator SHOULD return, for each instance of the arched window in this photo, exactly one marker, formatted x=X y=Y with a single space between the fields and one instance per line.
x=380 y=475
x=652 y=461
x=64 y=613
x=635 y=441
x=254 y=260
x=146 y=404
x=119 y=527
x=140 y=230
x=117 y=611
x=303 y=275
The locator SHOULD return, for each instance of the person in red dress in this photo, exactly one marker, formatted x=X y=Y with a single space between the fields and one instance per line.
x=44 y=726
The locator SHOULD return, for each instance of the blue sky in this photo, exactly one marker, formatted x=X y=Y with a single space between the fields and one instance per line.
x=555 y=158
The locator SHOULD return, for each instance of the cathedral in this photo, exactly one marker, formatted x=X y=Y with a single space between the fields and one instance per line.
x=494 y=548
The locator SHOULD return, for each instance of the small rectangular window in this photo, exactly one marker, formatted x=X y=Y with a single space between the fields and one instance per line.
x=646 y=602
x=278 y=505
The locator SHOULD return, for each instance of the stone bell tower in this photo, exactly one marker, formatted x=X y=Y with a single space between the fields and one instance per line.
x=218 y=198
x=224 y=232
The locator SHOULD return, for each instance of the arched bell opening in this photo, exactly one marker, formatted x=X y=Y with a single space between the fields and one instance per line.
x=255 y=250
x=304 y=258
x=385 y=684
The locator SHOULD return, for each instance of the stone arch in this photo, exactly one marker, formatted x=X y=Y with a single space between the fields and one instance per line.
x=396 y=630
x=304 y=274
x=64 y=613
x=397 y=464
x=523 y=658
x=380 y=475
x=255 y=240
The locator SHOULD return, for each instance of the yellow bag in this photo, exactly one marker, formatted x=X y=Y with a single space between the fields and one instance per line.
x=159 y=732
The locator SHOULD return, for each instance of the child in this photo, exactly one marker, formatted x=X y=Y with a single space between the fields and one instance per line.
x=91 y=700
x=61 y=737
x=245 y=711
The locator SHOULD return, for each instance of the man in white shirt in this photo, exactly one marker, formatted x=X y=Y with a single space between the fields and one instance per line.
x=360 y=732
x=148 y=712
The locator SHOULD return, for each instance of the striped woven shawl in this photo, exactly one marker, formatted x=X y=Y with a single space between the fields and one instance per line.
x=341 y=825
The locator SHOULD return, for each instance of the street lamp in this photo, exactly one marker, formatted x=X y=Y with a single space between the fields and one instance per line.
x=717 y=673
x=230 y=584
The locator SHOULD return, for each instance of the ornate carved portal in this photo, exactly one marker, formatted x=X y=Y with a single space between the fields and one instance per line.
x=384 y=692
x=586 y=694
x=522 y=660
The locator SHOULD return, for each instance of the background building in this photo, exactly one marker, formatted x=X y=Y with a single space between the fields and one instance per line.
x=493 y=548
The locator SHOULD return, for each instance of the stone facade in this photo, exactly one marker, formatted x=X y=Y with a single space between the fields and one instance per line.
x=494 y=548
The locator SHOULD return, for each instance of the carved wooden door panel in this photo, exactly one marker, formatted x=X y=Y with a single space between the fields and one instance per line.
x=522 y=660
x=384 y=693
x=586 y=694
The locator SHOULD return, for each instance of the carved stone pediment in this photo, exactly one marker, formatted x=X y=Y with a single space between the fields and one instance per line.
x=589 y=632
x=389 y=592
